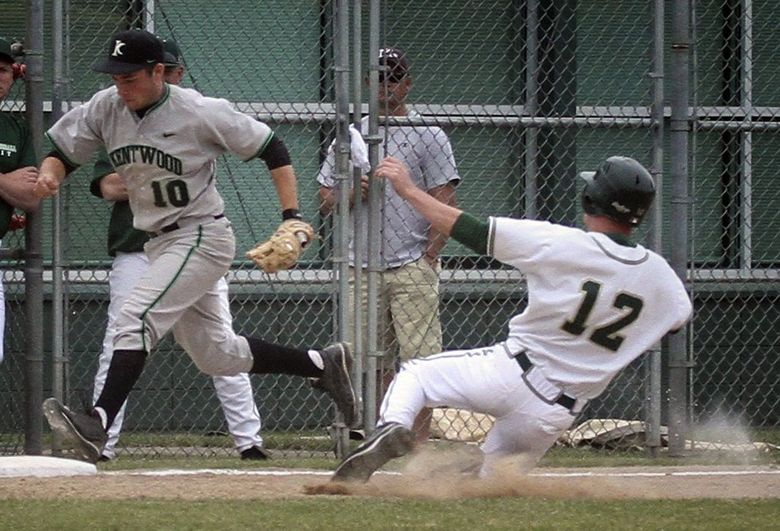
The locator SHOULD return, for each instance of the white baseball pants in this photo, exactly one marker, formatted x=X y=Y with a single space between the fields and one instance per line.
x=484 y=380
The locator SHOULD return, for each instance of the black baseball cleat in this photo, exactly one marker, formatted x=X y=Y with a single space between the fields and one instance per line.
x=254 y=453
x=389 y=441
x=336 y=380
x=84 y=432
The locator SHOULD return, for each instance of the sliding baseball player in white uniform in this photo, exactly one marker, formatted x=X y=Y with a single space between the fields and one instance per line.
x=163 y=140
x=596 y=302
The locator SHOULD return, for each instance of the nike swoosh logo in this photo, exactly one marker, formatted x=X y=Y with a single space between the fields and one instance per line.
x=166 y=135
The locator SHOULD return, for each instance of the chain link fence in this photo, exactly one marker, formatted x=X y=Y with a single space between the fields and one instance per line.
x=527 y=93
x=736 y=250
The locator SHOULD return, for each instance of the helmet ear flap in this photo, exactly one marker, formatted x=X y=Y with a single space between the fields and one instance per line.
x=590 y=192
x=587 y=202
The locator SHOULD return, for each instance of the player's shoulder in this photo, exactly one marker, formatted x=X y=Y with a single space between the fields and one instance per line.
x=669 y=283
x=538 y=229
x=528 y=237
x=14 y=121
x=106 y=97
x=183 y=95
x=190 y=97
x=105 y=102
x=660 y=263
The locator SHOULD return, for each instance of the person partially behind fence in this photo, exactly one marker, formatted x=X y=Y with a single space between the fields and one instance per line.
x=163 y=140
x=18 y=172
x=129 y=263
x=596 y=302
x=410 y=246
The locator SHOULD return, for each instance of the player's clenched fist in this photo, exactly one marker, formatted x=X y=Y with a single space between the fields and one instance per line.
x=397 y=173
x=47 y=185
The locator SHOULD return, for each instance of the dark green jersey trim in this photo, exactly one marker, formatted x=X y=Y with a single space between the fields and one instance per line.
x=102 y=168
x=262 y=148
x=471 y=232
x=62 y=154
x=159 y=102
x=184 y=263
x=618 y=258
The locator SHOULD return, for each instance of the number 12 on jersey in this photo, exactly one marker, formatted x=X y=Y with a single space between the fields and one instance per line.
x=606 y=336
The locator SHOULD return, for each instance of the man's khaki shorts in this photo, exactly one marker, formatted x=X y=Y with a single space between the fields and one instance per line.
x=408 y=300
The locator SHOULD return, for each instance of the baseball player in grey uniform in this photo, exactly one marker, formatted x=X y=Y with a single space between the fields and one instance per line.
x=126 y=246
x=596 y=302
x=163 y=141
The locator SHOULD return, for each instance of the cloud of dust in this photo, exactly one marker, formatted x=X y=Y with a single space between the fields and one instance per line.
x=451 y=474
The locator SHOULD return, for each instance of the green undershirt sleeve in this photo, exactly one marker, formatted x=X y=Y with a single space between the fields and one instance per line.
x=471 y=232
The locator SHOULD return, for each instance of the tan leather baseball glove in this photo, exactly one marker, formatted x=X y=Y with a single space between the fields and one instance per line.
x=284 y=247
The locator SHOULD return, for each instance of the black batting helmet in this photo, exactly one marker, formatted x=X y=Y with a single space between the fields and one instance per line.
x=620 y=189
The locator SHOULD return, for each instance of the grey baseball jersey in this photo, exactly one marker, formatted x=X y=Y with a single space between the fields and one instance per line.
x=167 y=161
x=428 y=154
x=167 y=158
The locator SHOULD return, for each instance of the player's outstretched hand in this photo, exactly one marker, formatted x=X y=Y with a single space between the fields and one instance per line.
x=397 y=173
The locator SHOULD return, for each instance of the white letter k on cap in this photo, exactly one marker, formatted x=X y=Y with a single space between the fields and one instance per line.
x=117 y=48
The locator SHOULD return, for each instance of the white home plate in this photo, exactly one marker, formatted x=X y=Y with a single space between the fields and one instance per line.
x=43 y=467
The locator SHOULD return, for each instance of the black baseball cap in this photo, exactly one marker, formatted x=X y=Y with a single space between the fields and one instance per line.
x=171 y=53
x=396 y=63
x=5 y=51
x=129 y=51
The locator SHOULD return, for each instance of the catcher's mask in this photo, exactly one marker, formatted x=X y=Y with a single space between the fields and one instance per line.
x=620 y=189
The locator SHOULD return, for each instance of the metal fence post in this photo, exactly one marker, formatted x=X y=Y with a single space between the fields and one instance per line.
x=343 y=173
x=653 y=385
x=374 y=220
x=679 y=133
x=33 y=269
x=357 y=173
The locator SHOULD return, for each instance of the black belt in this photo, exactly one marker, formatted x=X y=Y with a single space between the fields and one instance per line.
x=564 y=400
x=175 y=226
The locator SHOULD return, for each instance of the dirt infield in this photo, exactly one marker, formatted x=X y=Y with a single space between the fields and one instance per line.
x=601 y=483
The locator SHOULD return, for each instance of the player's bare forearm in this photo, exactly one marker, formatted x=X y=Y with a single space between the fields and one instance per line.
x=16 y=188
x=436 y=239
x=112 y=188
x=286 y=186
x=50 y=175
x=440 y=215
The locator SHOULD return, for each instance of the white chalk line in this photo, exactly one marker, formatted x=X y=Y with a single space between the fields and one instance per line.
x=304 y=472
